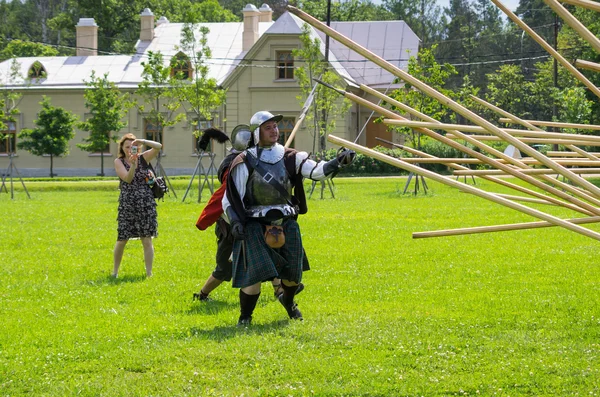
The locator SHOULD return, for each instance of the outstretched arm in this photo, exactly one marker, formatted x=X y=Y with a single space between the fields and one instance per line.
x=321 y=170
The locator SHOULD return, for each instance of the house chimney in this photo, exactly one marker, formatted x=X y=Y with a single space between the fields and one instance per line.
x=266 y=13
x=87 y=37
x=147 y=25
x=250 y=35
x=161 y=21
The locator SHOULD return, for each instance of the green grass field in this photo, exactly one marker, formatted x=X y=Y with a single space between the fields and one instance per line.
x=497 y=314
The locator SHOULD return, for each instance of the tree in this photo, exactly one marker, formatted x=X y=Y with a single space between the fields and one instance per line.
x=327 y=101
x=202 y=94
x=52 y=135
x=424 y=17
x=18 y=48
x=508 y=90
x=9 y=102
x=428 y=70
x=157 y=92
x=108 y=107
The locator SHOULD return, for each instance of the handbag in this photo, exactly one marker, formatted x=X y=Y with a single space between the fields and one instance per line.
x=274 y=236
x=159 y=187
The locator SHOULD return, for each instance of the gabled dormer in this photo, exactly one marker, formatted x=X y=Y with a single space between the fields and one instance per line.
x=37 y=71
x=181 y=67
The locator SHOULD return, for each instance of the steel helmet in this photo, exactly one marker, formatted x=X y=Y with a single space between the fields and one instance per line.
x=259 y=119
x=240 y=136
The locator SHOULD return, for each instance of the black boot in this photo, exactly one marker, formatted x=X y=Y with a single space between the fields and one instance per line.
x=247 y=305
x=287 y=300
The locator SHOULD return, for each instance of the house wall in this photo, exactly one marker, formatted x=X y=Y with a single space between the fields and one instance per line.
x=257 y=88
x=180 y=157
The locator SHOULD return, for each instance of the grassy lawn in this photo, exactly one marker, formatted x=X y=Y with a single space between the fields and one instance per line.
x=497 y=314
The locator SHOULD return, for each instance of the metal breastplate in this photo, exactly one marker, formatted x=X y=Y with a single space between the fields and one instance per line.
x=262 y=197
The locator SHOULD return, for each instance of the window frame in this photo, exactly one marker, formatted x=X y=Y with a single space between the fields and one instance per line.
x=180 y=63
x=284 y=70
x=285 y=131
x=5 y=148
x=157 y=134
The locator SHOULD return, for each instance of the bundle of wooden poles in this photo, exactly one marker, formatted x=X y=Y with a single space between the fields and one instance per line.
x=571 y=191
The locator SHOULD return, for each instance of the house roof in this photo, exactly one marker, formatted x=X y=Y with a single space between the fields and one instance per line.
x=393 y=41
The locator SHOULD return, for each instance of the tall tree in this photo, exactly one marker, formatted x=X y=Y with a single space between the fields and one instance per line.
x=202 y=94
x=107 y=107
x=19 y=48
x=328 y=103
x=424 y=17
x=159 y=98
x=55 y=128
x=9 y=102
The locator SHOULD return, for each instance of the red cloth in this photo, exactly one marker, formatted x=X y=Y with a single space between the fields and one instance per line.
x=213 y=209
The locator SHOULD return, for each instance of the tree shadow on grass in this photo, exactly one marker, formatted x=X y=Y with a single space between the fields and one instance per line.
x=221 y=334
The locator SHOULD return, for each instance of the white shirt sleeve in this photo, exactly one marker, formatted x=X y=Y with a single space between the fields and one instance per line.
x=239 y=175
x=310 y=169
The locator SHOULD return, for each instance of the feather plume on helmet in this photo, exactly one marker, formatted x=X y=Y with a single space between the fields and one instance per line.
x=211 y=133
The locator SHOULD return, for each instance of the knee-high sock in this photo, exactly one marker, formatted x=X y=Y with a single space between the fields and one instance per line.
x=288 y=294
x=247 y=304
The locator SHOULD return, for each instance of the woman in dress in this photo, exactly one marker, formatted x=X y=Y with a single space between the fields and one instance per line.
x=137 y=208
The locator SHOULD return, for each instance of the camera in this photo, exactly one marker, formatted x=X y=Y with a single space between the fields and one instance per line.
x=134 y=149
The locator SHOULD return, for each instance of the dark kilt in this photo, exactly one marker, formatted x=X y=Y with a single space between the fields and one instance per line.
x=224 y=248
x=264 y=263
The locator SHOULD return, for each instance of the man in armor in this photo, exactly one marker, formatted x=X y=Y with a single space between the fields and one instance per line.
x=263 y=199
x=213 y=213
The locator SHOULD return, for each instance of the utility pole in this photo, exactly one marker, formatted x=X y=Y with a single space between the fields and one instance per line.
x=554 y=108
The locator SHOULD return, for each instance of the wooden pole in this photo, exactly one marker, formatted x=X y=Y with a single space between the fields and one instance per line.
x=500 y=228
x=587 y=65
x=444 y=100
x=512 y=171
x=591 y=5
x=574 y=23
x=303 y=113
x=569 y=154
x=445 y=160
x=511 y=131
x=531 y=171
x=549 y=48
x=526 y=124
x=464 y=187
x=553 y=124
x=525 y=140
x=499 y=181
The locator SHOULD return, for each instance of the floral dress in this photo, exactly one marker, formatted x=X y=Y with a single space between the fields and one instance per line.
x=137 y=216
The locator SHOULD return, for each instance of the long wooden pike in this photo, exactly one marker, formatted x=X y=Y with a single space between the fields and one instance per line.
x=552 y=124
x=587 y=65
x=474 y=118
x=500 y=228
x=464 y=187
x=458 y=160
x=525 y=140
x=531 y=171
x=510 y=170
x=502 y=182
x=591 y=5
x=526 y=124
x=512 y=131
x=303 y=113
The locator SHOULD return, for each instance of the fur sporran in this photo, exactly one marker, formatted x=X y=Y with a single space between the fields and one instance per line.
x=274 y=236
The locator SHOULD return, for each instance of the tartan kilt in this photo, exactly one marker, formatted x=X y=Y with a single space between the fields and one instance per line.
x=263 y=263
